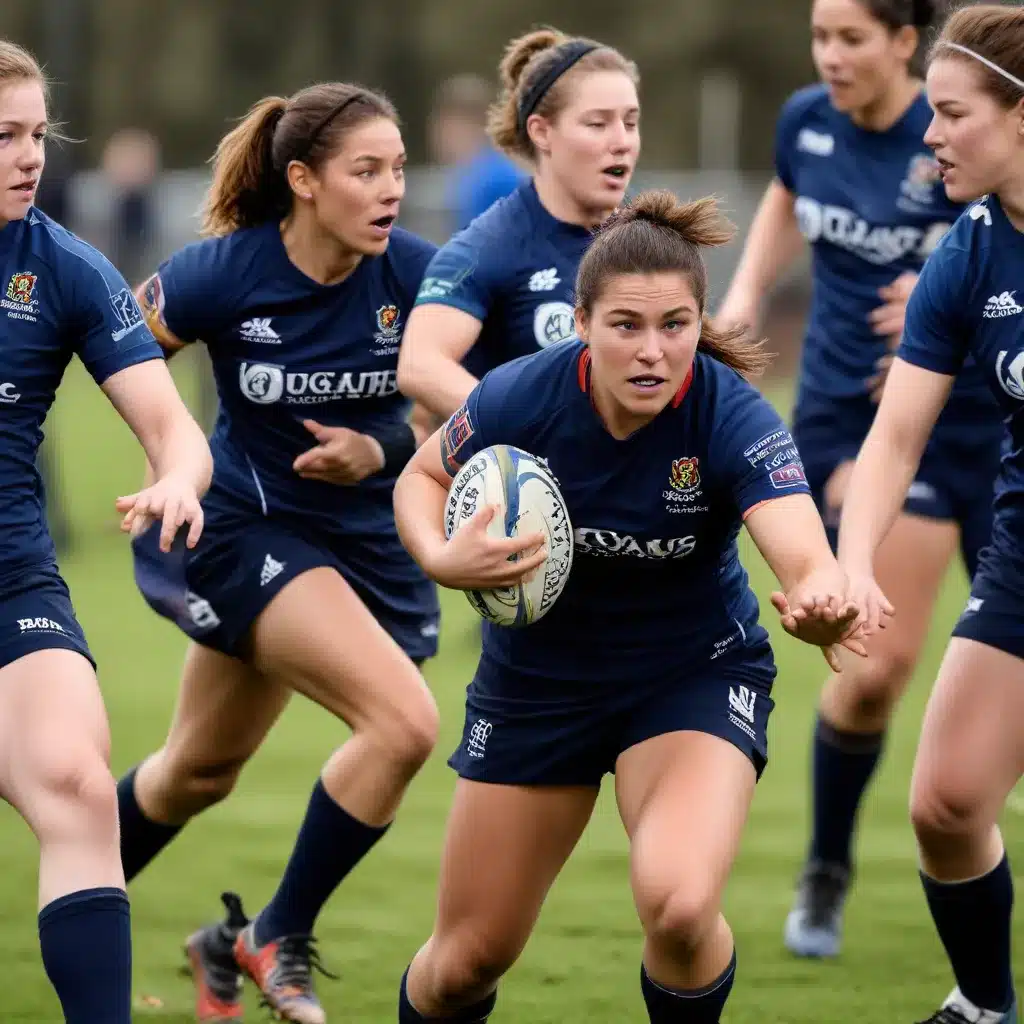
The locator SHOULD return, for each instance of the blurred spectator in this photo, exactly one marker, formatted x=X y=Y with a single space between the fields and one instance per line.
x=131 y=162
x=480 y=175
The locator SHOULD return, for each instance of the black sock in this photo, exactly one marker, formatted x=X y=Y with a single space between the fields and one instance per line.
x=329 y=845
x=843 y=765
x=475 y=1014
x=973 y=921
x=696 y=1006
x=141 y=838
x=86 y=940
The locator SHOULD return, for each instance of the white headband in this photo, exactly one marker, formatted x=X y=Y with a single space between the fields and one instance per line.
x=988 y=63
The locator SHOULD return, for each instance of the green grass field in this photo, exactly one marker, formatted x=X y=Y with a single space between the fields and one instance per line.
x=582 y=964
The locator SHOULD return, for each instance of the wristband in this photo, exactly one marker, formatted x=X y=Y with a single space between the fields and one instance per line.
x=398 y=443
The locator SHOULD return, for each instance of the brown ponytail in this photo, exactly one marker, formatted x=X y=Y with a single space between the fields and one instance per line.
x=250 y=184
x=656 y=233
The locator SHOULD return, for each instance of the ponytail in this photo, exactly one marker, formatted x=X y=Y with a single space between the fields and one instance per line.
x=247 y=188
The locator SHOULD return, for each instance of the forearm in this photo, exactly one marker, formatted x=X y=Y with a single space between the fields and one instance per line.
x=875 y=494
x=439 y=384
x=181 y=449
x=419 y=502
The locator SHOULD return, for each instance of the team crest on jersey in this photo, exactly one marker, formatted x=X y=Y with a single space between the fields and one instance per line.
x=387 y=320
x=20 y=300
x=922 y=175
x=388 y=330
x=685 y=475
x=20 y=288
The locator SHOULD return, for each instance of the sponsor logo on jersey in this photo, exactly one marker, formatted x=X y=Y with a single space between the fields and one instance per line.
x=1011 y=376
x=126 y=313
x=815 y=143
x=258 y=330
x=876 y=243
x=267 y=383
x=591 y=541
x=553 y=322
x=545 y=280
x=1003 y=304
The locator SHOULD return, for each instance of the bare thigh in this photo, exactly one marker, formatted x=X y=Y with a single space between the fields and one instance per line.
x=504 y=847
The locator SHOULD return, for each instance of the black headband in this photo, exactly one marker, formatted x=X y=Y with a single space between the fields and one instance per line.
x=324 y=122
x=570 y=54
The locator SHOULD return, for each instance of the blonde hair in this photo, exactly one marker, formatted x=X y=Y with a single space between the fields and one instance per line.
x=656 y=233
x=526 y=61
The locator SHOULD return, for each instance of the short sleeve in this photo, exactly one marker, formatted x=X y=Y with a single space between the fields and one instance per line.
x=754 y=449
x=934 y=336
x=492 y=414
x=460 y=276
x=190 y=290
x=111 y=334
x=786 y=128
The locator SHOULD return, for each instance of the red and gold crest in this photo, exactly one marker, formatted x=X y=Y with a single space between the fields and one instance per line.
x=20 y=288
x=685 y=475
x=387 y=319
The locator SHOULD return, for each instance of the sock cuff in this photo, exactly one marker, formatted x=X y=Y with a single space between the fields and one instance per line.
x=85 y=901
x=475 y=1014
x=849 y=742
x=321 y=796
x=693 y=993
x=1003 y=867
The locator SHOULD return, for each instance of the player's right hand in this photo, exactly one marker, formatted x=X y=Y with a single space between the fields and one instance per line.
x=474 y=560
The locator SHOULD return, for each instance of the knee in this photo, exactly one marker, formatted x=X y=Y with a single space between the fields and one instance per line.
x=469 y=965
x=75 y=790
x=945 y=809
x=874 y=685
x=679 y=917
x=188 y=785
x=407 y=730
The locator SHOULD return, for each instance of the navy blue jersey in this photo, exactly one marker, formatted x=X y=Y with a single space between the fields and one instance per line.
x=872 y=206
x=286 y=348
x=965 y=306
x=656 y=583
x=514 y=269
x=58 y=297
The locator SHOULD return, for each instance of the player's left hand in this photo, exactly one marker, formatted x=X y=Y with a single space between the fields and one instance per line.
x=887 y=319
x=341 y=456
x=170 y=499
x=817 y=612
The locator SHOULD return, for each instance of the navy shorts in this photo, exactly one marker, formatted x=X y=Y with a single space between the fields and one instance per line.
x=215 y=592
x=36 y=614
x=994 y=614
x=954 y=482
x=575 y=741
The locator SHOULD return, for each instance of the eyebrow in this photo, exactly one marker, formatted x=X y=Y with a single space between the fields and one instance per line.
x=373 y=159
x=11 y=122
x=611 y=110
x=633 y=312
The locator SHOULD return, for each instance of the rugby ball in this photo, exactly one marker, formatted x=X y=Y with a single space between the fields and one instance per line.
x=521 y=485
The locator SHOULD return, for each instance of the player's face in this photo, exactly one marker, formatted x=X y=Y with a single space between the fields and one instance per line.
x=642 y=331
x=856 y=55
x=978 y=143
x=358 y=191
x=594 y=142
x=22 y=130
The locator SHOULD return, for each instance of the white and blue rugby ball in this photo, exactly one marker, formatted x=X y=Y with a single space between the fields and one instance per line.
x=523 y=486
